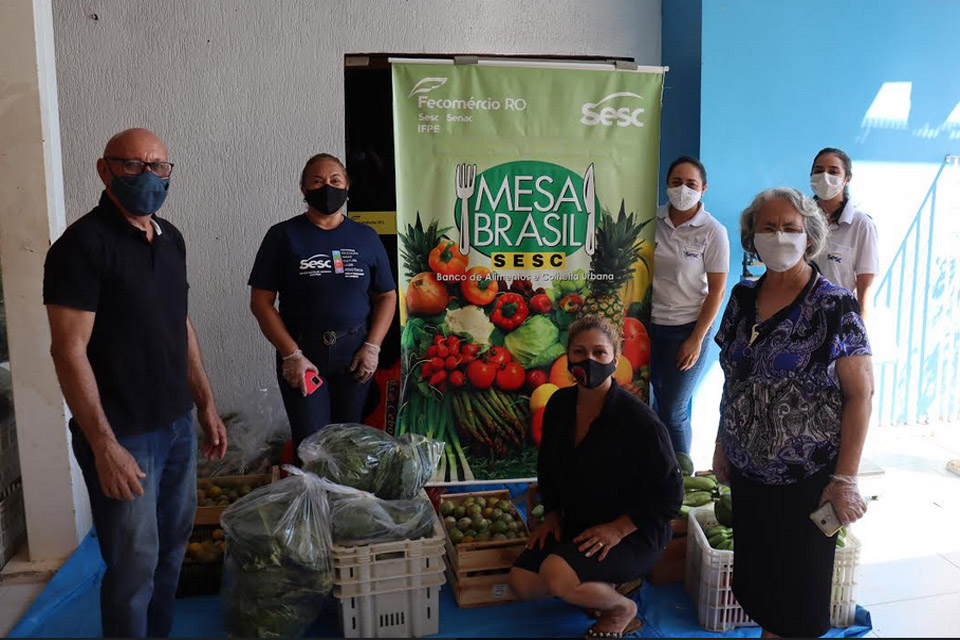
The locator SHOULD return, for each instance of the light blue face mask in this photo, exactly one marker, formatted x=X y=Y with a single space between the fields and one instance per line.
x=140 y=195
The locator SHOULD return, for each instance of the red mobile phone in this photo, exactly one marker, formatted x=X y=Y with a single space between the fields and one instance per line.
x=312 y=380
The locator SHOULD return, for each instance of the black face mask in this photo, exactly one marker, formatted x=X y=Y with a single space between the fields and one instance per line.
x=327 y=199
x=591 y=373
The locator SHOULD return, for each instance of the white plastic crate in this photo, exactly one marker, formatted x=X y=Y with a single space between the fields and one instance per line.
x=355 y=565
x=709 y=579
x=408 y=613
x=430 y=577
x=386 y=566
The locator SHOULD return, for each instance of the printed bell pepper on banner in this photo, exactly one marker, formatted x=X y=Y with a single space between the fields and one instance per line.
x=446 y=259
x=479 y=288
x=510 y=311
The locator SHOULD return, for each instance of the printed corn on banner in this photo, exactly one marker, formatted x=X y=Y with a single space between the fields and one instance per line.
x=525 y=199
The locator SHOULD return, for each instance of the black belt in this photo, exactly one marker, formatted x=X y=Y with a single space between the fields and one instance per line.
x=330 y=337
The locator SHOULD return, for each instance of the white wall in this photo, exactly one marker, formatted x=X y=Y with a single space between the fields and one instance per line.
x=244 y=91
x=31 y=214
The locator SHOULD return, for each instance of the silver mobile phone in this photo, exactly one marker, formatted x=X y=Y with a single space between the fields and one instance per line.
x=826 y=519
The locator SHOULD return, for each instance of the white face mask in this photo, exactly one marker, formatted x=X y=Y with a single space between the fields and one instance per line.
x=780 y=251
x=683 y=197
x=826 y=185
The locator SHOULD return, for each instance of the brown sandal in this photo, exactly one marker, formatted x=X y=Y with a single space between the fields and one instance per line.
x=629 y=588
x=632 y=627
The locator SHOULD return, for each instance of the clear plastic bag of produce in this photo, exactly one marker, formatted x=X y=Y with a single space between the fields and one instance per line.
x=257 y=431
x=371 y=460
x=278 y=564
x=361 y=518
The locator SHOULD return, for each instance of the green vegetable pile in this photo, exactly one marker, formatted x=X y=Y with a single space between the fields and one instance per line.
x=361 y=518
x=720 y=537
x=702 y=490
x=277 y=568
x=371 y=460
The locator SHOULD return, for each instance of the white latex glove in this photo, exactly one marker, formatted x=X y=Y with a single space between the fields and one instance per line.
x=845 y=496
x=365 y=362
x=294 y=368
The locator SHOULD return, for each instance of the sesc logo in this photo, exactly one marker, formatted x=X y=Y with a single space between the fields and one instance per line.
x=427 y=85
x=319 y=261
x=607 y=116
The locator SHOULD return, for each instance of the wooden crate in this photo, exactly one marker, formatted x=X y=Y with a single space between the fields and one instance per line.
x=478 y=571
x=210 y=516
x=672 y=565
x=480 y=589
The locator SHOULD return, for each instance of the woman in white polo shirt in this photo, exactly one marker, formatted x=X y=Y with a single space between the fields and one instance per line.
x=691 y=262
x=851 y=259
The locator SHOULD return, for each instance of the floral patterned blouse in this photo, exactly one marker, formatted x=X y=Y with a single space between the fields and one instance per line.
x=781 y=405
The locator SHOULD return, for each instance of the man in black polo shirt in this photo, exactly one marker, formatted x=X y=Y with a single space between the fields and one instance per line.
x=115 y=286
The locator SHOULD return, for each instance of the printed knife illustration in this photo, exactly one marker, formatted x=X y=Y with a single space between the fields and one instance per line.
x=466 y=176
x=589 y=202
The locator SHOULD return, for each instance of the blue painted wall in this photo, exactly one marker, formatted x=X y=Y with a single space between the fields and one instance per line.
x=783 y=79
x=780 y=80
x=680 y=50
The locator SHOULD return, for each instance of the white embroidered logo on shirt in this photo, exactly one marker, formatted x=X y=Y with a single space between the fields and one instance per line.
x=316 y=264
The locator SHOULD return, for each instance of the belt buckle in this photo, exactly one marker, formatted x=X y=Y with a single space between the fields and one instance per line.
x=329 y=338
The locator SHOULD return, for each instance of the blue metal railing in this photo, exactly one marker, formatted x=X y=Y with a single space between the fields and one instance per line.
x=918 y=376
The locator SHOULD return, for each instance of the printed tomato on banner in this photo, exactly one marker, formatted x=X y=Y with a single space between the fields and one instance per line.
x=525 y=199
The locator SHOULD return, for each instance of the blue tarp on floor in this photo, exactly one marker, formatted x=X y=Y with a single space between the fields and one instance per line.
x=69 y=607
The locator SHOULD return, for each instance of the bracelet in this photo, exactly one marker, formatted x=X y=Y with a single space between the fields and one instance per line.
x=293 y=355
x=375 y=347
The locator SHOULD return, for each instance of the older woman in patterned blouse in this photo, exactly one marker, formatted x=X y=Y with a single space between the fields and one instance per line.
x=794 y=414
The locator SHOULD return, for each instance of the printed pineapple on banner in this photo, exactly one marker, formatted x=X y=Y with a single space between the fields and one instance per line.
x=524 y=199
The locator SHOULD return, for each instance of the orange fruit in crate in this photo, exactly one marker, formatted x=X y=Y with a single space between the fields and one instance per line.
x=218 y=534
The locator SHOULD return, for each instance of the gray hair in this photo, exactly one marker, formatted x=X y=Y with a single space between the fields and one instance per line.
x=813 y=220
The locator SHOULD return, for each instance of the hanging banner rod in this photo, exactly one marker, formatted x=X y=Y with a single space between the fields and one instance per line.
x=619 y=65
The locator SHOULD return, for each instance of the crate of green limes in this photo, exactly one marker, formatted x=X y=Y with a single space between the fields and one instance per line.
x=485 y=534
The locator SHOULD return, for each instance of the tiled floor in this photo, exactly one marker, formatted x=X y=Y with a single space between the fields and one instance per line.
x=14 y=602
x=910 y=576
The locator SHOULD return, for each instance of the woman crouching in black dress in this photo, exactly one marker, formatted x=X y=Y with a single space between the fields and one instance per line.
x=610 y=486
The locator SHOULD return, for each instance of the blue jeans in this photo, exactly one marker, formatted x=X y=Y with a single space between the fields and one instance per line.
x=143 y=541
x=672 y=388
x=339 y=399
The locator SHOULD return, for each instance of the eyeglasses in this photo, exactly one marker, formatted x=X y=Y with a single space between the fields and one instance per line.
x=134 y=167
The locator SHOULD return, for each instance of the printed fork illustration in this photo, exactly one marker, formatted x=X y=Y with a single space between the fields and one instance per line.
x=466 y=176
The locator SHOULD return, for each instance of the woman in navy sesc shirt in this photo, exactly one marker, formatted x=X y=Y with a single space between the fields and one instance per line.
x=337 y=300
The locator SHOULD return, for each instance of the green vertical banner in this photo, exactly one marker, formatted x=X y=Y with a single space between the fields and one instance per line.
x=526 y=197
